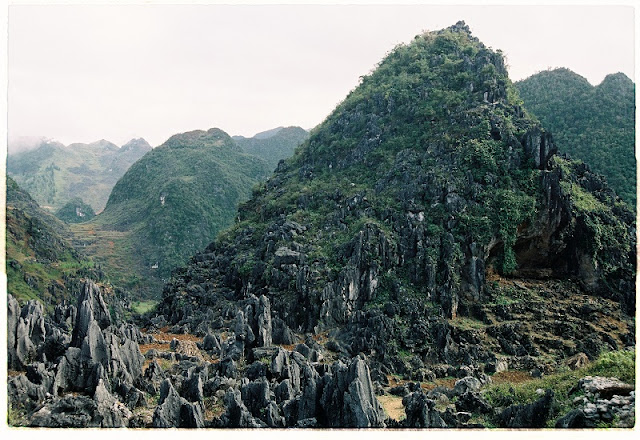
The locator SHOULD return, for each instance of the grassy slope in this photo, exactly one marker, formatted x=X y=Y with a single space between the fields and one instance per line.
x=41 y=264
x=168 y=206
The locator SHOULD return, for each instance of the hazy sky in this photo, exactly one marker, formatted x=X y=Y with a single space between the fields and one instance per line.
x=81 y=73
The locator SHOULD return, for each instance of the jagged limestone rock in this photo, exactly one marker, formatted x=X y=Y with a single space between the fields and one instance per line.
x=114 y=414
x=174 y=411
x=421 y=412
x=533 y=415
x=348 y=399
x=91 y=308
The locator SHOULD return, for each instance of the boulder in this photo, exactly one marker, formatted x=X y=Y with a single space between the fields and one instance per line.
x=575 y=419
x=471 y=401
x=465 y=384
x=421 y=412
x=175 y=412
x=67 y=412
x=533 y=415
x=22 y=393
x=580 y=360
x=211 y=343
x=113 y=413
x=605 y=387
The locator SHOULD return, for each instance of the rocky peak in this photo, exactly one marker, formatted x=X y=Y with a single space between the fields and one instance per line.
x=91 y=310
x=428 y=179
x=137 y=145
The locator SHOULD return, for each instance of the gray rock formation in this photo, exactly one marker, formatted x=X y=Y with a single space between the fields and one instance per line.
x=174 y=411
x=68 y=412
x=113 y=413
x=91 y=308
x=26 y=333
x=421 y=412
x=348 y=398
x=533 y=415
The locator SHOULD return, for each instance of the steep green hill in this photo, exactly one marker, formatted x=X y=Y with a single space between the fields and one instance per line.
x=41 y=263
x=273 y=145
x=75 y=211
x=593 y=124
x=168 y=205
x=425 y=221
x=54 y=174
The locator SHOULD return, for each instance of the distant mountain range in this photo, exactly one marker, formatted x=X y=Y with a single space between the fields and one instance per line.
x=55 y=174
x=273 y=145
x=595 y=124
x=173 y=201
x=164 y=209
x=425 y=259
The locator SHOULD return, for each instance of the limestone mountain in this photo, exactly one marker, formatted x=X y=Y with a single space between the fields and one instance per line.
x=426 y=221
x=423 y=261
x=169 y=204
x=54 y=174
x=41 y=263
x=75 y=211
x=273 y=145
x=593 y=124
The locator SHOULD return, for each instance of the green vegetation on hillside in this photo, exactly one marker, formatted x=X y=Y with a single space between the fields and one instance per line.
x=437 y=109
x=617 y=364
x=593 y=124
x=75 y=211
x=168 y=206
x=41 y=264
x=428 y=179
x=54 y=174
x=274 y=145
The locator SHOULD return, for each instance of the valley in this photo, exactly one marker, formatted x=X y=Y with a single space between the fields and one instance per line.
x=426 y=257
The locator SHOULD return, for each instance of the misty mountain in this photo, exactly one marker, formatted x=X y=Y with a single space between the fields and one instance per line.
x=54 y=174
x=168 y=205
x=425 y=259
x=18 y=144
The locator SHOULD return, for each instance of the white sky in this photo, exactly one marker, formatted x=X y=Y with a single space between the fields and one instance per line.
x=79 y=73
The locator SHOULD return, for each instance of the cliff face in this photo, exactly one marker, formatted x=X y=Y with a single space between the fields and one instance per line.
x=426 y=183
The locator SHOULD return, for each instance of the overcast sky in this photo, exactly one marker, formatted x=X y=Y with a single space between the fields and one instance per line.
x=82 y=73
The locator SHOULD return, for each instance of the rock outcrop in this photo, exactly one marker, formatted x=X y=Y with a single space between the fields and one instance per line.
x=384 y=231
x=97 y=360
x=534 y=415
